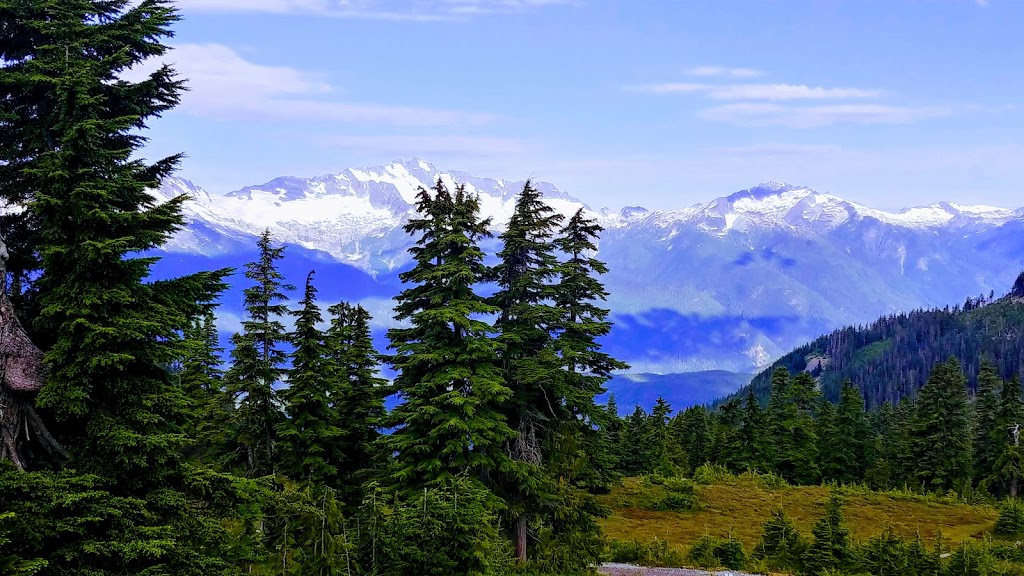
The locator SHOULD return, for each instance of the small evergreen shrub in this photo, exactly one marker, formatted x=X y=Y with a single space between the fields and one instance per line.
x=1011 y=519
x=702 y=553
x=730 y=554
x=709 y=552
x=654 y=553
x=710 y=473
x=681 y=496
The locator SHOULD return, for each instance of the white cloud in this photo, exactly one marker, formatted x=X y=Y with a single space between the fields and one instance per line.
x=225 y=86
x=723 y=71
x=422 y=10
x=758 y=91
x=761 y=114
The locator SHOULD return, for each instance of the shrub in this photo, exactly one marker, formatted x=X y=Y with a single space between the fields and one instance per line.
x=654 y=553
x=1011 y=519
x=730 y=554
x=709 y=552
x=702 y=553
x=681 y=496
x=710 y=473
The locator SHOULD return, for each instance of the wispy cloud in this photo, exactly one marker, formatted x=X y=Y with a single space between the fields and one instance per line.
x=714 y=71
x=762 y=114
x=225 y=86
x=757 y=91
x=420 y=10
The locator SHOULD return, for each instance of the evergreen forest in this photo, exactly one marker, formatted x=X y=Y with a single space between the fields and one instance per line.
x=133 y=443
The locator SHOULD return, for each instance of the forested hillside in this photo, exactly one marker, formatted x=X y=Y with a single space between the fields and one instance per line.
x=892 y=357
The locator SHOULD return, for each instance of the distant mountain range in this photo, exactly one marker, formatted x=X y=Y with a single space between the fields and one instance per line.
x=732 y=284
x=892 y=357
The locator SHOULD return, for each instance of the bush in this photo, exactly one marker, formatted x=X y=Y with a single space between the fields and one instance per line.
x=710 y=473
x=709 y=552
x=1011 y=519
x=681 y=496
x=654 y=553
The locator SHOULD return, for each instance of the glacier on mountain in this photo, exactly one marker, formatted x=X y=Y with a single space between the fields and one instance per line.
x=727 y=284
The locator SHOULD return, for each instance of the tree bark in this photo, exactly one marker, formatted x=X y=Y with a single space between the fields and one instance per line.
x=521 y=538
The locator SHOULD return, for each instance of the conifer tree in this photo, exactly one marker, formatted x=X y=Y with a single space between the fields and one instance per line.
x=752 y=434
x=358 y=397
x=940 y=433
x=526 y=324
x=202 y=379
x=632 y=453
x=578 y=295
x=694 y=433
x=726 y=449
x=1008 y=466
x=258 y=361
x=777 y=412
x=68 y=151
x=793 y=433
x=988 y=435
x=308 y=439
x=828 y=442
x=844 y=449
x=831 y=546
x=450 y=422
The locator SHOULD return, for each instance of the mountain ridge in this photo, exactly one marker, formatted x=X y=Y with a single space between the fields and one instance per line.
x=729 y=284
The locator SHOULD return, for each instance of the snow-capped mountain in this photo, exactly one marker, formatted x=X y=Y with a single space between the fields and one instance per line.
x=728 y=284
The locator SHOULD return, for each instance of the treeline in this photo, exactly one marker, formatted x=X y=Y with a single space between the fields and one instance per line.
x=891 y=358
x=167 y=464
x=940 y=440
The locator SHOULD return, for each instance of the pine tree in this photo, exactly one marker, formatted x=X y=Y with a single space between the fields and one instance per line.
x=988 y=436
x=656 y=438
x=358 y=397
x=450 y=422
x=777 y=412
x=632 y=453
x=694 y=434
x=583 y=321
x=831 y=546
x=526 y=323
x=258 y=362
x=752 y=434
x=308 y=439
x=726 y=444
x=780 y=544
x=845 y=447
x=940 y=433
x=1008 y=466
x=70 y=138
x=795 y=442
x=202 y=379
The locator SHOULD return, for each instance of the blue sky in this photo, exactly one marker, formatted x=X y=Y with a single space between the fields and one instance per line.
x=662 y=103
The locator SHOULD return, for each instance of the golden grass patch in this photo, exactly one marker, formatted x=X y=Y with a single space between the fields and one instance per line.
x=741 y=507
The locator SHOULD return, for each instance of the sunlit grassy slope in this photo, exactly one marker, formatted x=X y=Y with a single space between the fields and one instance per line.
x=742 y=505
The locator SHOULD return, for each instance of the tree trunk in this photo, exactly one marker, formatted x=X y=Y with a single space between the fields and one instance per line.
x=1013 y=487
x=521 y=538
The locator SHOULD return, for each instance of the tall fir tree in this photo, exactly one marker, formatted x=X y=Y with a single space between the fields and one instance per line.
x=694 y=434
x=752 y=434
x=358 y=397
x=845 y=453
x=70 y=125
x=450 y=423
x=308 y=437
x=988 y=438
x=1008 y=463
x=579 y=295
x=526 y=325
x=258 y=362
x=940 y=433
x=202 y=379
x=794 y=441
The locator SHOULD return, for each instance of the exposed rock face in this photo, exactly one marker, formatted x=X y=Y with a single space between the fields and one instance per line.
x=1018 y=287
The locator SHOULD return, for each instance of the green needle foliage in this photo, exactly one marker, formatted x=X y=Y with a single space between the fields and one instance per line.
x=450 y=423
x=258 y=362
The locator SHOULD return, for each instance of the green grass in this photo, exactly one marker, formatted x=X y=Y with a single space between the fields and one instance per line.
x=740 y=506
